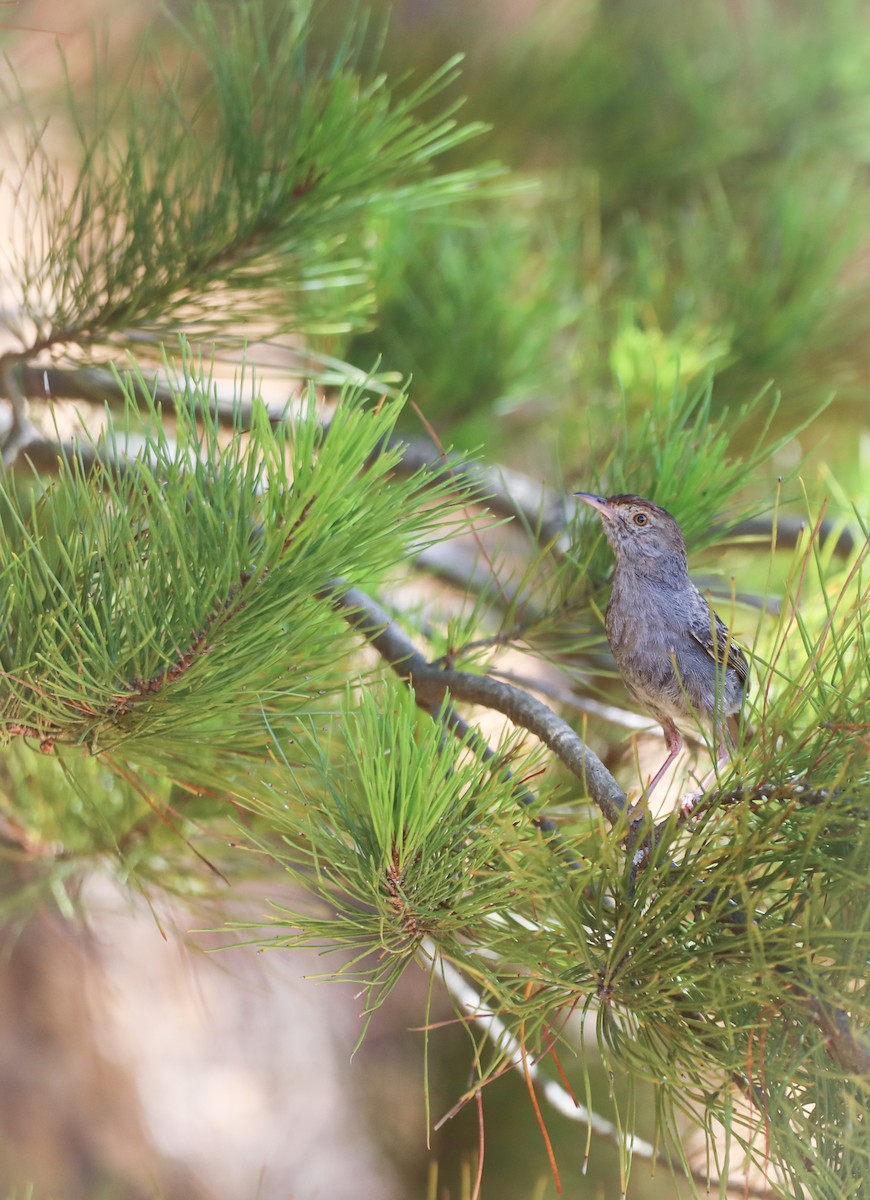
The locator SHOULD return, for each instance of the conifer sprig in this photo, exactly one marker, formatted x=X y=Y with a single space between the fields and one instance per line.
x=233 y=193
x=163 y=608
x=398 y=835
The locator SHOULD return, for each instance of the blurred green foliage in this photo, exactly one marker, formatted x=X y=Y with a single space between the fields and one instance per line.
x=480 y=314
x=703 y=207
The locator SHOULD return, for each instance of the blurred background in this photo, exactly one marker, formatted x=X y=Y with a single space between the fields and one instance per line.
x=695 y=204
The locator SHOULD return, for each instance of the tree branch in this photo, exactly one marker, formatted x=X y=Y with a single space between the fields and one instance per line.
x=544 y=511
x=434 y=686
x=96 y=385
x=471 y=1003
x=19 y=428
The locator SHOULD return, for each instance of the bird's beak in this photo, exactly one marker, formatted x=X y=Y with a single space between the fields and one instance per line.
x=599 y=502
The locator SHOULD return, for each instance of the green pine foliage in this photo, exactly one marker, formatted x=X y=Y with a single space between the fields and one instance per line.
x=162 y=607
x=67 y=816
x=703 y=177
x=399 y=836
x=723 y=966
x=478 y=313
x=183 y=692
x=236 y=190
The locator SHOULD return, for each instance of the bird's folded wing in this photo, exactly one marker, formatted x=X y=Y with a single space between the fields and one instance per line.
x=716 y=640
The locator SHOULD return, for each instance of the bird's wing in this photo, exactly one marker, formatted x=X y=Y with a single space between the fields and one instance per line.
x=715 y=638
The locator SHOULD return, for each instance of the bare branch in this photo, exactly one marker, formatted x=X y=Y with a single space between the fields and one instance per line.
x=19 y=427
x=96 y=385
x=433 y=686
x=509 y=493
x=545 y=511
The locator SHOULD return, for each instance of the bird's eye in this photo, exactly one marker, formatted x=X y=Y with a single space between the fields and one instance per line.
x=641 y=519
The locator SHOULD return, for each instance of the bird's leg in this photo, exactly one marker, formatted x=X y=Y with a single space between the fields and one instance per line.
x=639 y=847
x=674 y=743
x=726 y=747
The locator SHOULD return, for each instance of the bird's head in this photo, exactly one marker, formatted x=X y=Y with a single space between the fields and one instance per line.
x=638 y=530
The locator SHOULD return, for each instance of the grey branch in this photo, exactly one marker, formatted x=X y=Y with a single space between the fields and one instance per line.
x=96 y=385
x=433 y=686
x=19 y=429
x=544 y=511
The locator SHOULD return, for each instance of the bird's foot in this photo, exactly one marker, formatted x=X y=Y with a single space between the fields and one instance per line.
x=689 y=803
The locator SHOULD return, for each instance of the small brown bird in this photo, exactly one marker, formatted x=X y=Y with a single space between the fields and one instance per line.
x=675 y=655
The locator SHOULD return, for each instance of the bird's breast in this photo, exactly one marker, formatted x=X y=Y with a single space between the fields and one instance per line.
x=662 y=665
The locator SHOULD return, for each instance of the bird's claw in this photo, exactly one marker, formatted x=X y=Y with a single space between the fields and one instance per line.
x=689 y=803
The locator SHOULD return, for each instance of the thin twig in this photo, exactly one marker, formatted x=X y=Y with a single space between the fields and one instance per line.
x=557 y=1096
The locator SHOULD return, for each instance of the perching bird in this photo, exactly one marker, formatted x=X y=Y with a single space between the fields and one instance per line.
x=675 y=655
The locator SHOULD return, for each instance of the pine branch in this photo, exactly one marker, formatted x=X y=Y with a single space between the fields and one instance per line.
x=98 y=620
x=106 y=388
x=509 y=493
x=844 y=1045
x=625 y=940
x=246 y=203
x=472 y=1006
x=434 y=685
x=19 y=429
